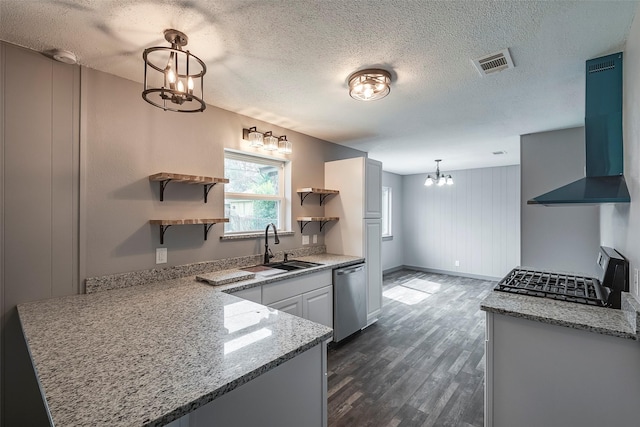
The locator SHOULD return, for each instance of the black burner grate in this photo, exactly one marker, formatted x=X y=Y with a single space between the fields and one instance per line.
x=565 y=287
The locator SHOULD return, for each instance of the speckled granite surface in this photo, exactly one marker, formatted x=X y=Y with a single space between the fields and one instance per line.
x=149 y=354
x=224 y=277
x=600 y=320
x=136 y=278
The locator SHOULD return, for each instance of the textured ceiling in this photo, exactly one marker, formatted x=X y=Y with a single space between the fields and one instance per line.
x=287 y=61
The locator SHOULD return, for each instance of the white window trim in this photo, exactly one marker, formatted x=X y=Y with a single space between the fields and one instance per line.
x=389 y=209
x=284 y=179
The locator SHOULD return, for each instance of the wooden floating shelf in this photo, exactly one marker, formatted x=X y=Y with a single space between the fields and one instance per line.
x=166 y=223
x=166 y=177
x=323 y=192
x=323 y=220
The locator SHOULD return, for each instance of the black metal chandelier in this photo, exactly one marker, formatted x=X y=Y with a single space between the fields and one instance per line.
x=439 y=179
x=173 y=78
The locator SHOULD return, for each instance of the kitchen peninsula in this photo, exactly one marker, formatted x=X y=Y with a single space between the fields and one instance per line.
x=152 y=353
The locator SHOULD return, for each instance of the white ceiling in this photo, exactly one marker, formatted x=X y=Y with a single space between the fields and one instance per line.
x=287 y=61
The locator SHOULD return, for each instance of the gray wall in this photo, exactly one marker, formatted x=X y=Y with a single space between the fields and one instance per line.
x=127 y=140
x=475 y=221
x=39 y=208
x=392 y=247
x=562 y=238
x=620 y=224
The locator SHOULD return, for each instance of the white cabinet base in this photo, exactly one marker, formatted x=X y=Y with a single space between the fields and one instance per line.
x=291 y=395
x=553 y=376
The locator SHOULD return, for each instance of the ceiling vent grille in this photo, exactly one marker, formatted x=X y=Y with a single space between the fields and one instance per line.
x=494 y=62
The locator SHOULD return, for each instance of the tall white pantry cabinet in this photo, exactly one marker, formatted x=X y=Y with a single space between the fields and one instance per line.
x=359 y=230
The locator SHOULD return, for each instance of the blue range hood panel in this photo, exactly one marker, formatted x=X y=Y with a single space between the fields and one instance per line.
x=604 y=182
x=587 y=191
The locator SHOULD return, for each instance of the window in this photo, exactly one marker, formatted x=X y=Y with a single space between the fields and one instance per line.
x=386 y=212
x=255 y=194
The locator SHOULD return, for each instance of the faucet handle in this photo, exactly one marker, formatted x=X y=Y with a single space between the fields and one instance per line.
x=271 y=255
x=286 y=257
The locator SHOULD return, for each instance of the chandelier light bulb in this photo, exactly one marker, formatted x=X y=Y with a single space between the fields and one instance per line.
x=190 y=84
x=449 y=180
x=180 y=86
x=428 y=182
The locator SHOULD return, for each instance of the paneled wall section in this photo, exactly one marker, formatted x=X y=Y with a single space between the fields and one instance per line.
x=475 y=222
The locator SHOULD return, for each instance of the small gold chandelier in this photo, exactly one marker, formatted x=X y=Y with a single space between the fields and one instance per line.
x=173 y=77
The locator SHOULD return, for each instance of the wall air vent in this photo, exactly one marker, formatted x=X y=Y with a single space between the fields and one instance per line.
x=494 y=62
x=499 y=153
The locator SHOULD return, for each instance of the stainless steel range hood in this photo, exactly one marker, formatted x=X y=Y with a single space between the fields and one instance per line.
x=604 y=182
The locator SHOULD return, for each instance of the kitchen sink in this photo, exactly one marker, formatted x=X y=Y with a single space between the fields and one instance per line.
x=280 y=267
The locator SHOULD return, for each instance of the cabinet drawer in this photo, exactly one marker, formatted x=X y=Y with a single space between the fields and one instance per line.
x=287 y=288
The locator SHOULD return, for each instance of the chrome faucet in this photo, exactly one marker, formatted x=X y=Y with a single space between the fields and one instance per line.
x=267 y=252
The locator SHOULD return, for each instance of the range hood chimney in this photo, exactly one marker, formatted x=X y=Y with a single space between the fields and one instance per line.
x=604 y=181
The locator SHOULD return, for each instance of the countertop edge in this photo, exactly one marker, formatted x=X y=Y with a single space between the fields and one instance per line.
x=497 y=302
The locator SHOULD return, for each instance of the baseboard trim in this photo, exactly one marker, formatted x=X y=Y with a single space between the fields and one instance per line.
x=393 y=269
x=452 y=273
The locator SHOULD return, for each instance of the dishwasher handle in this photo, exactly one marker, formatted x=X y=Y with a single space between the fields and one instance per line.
x=349 y=270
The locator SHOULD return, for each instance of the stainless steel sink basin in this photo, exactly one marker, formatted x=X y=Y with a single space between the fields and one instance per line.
x=280 y=267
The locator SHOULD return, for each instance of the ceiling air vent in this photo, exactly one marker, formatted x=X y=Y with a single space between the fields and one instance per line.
x=494 y=62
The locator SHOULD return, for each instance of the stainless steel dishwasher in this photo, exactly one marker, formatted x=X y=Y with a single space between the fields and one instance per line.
x=349 y=301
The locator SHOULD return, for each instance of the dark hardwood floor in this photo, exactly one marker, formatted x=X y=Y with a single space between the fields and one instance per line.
x=421 y=364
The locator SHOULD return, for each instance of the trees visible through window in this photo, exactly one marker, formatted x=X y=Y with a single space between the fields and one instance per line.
x=254 y=196
x=386 y=212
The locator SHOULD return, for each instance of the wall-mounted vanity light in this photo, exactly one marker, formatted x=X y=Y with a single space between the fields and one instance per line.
x=267 y=141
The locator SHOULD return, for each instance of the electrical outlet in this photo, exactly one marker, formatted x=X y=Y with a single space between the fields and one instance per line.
x=635 y=280
x=305 y=239
x=457 y=263
x=161 y=255
x=315 y=238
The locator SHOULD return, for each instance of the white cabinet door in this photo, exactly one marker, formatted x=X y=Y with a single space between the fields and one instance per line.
x=317 y=306
x=373 y=259
x=252 y=294
x=291 y=305
x=373 y=189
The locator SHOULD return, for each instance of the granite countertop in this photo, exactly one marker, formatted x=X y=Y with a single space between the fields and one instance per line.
x=618 y=323
x=149 y=354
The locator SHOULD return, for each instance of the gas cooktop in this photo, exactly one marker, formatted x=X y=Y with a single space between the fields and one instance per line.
x=604 y=291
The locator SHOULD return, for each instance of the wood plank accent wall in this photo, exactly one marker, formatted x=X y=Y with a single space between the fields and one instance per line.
x=39 y=214
x=476 y=222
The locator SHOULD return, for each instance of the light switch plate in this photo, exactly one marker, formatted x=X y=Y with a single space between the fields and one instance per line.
x=161 y=255
x=305 y=239
x=315 y=238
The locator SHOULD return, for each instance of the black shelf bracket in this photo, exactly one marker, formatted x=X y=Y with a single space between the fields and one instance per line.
x=207 y=227
x=323 y=197
x=303 y=196
x=163 y=229
x=163 y=185
x=303 y=224
x=207 y=188
x=322 y=224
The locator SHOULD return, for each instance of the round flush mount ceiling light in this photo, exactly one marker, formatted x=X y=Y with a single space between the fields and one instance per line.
x=370 y=84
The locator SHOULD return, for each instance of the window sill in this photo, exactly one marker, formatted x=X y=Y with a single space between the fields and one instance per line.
x=385 y=238
x=244 y=236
